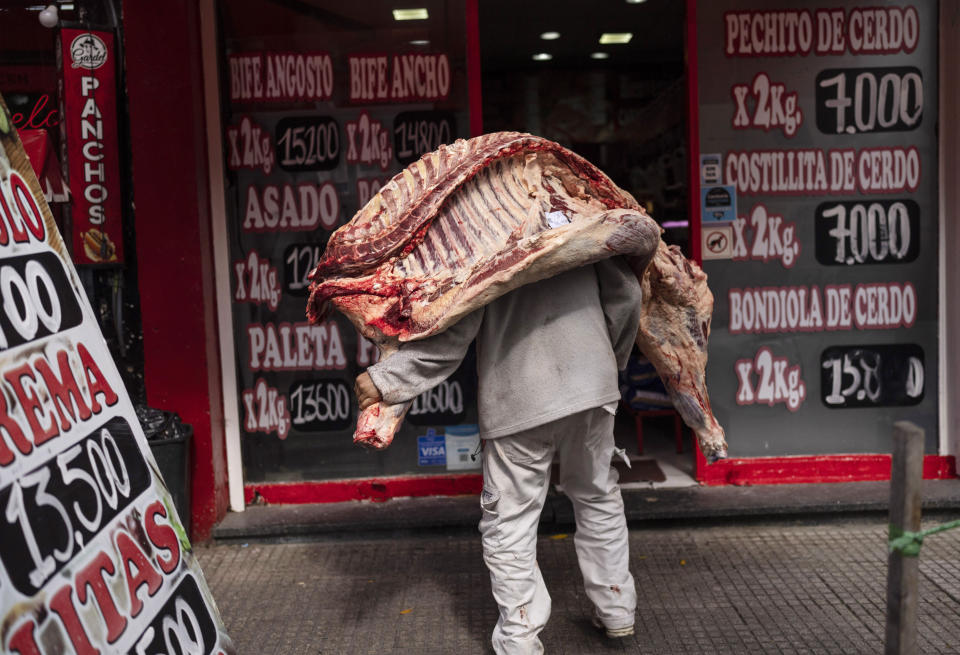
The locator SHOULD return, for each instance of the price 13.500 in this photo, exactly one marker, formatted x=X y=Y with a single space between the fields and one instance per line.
x=50 y=513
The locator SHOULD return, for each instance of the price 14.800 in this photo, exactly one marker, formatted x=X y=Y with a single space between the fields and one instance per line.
x=872 y=376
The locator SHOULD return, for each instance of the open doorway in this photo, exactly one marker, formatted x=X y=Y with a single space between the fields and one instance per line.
x=606 y=81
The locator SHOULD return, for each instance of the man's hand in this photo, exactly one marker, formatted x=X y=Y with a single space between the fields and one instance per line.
x=366 y=390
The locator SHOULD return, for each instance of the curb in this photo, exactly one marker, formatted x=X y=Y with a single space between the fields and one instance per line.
x=774 y=502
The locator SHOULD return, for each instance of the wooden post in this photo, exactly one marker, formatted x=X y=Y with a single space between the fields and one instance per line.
x=902 y=571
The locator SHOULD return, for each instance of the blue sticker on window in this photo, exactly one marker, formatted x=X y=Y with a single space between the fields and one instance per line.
x=431 y=449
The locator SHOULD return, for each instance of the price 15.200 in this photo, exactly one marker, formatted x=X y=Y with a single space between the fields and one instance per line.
x=49 y=514
x=872 y=376
x=308 y=143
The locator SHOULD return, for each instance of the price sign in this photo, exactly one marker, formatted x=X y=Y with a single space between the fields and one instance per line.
x=851 y=233
x=298 y=260
x=32 y=308
x=855 y=100
x=320 y=404
x=56 y=508
x=308 y=143
x=89 y=539
x=302 y=159
x=448 y=402
x=183 y=625
x=872 y=376
x=415 y=133
x=823 y=118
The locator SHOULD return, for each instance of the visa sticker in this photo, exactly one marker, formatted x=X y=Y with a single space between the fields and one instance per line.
x=431 y=449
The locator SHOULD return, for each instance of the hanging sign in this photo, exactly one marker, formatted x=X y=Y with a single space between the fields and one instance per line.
x=90 y=125
x=93 y=558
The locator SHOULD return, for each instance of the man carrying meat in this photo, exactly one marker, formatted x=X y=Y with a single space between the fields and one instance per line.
x=547 y=360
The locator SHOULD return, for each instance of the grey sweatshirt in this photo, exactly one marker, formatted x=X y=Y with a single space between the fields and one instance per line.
x=544 y=351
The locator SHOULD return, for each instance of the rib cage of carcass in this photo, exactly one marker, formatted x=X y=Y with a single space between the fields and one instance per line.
x=474 y=220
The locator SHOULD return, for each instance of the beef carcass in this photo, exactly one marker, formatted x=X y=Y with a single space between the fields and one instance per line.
x=466 y=224
x=674 y=328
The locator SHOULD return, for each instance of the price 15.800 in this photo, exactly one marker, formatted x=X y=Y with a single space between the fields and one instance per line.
x=872 y=376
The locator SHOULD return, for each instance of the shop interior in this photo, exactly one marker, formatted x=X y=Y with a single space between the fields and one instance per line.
x=609 y=84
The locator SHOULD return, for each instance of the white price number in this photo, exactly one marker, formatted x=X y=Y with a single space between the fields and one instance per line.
x=300 y=261
x=181 y=633
x=320 y=402
x=862 y=371
x=310 y=145
x=893 y=100
x=23 y=302
x=110 y=481
x=445 y=398
x=870 y=233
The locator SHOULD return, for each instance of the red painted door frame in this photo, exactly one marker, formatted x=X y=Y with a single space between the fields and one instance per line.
x=173 y=232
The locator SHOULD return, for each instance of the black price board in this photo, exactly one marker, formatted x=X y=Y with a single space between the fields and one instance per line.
x=298 y=260
x=37 y=299
x=298 y=168
x=321 y=404
x=862 y=100
x=56 y=508
x=415 y=133
x=819 y=120
x=855 y=232
x=872 y=376
x=308 y=143
x=183 y=625
x=449 y=402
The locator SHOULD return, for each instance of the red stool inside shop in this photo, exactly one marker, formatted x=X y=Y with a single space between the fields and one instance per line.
x=640 y=414
x=644 y=396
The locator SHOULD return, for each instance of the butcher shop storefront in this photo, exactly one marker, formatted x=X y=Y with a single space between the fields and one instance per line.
x=794 y=151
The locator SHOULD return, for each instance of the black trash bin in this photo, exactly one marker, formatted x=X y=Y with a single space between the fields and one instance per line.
x=170 y=442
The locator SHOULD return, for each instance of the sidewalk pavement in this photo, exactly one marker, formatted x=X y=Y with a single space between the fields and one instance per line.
x=777 y=569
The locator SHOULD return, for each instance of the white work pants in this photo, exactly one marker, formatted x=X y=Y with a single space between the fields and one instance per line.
x=516 y=474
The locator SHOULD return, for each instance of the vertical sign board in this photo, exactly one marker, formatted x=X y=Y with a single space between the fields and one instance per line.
x=92 y=555
x=90 y=126
x=824 y=115
x=310 y=136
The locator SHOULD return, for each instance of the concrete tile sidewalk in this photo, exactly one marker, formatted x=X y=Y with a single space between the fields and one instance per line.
x=756 y=587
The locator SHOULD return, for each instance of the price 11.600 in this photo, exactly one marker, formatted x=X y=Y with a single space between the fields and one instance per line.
x=872 y=376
